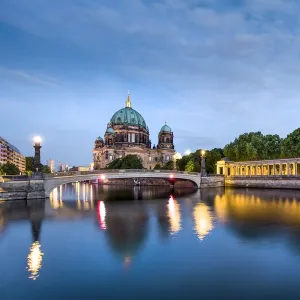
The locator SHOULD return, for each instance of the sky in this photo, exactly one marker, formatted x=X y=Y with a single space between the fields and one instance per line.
x=212 y=69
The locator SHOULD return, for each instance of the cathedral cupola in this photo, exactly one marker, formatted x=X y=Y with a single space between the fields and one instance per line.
x=99 y=143
x=110 y=136
x=165 y=138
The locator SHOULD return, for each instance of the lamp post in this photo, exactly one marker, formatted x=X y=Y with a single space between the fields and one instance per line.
x=203 y=168
x=37 y=166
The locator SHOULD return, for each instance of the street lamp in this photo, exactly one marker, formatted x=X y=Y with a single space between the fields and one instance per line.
x=203 y=168
x=37 y=166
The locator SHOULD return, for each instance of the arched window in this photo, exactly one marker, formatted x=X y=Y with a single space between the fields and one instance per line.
x=168 y=140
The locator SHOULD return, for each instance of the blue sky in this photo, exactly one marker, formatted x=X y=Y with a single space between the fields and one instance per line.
x=211 y=69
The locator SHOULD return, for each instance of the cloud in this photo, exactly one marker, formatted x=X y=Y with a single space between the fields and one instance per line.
x=214 y=67
x=26 y=76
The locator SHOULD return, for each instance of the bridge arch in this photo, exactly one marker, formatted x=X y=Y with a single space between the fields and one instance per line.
x=55 y=180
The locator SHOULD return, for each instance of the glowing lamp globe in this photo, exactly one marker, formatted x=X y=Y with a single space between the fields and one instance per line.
x=37 y=140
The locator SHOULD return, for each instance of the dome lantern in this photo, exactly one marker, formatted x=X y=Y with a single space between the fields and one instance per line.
x=128 y=102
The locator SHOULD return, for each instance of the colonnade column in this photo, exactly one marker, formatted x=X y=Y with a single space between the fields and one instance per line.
x=288 y=169
x=280 y=169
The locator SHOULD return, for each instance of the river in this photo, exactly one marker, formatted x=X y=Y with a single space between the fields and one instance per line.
x=116 y=242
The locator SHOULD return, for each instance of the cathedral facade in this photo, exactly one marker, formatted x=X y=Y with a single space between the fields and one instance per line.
x=127 y=133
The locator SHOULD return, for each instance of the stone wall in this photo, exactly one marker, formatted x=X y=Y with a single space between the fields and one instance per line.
x=20 y=190
x=278 y=182
x=212 y=181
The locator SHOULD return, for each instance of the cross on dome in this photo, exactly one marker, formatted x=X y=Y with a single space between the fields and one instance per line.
x=128 y=102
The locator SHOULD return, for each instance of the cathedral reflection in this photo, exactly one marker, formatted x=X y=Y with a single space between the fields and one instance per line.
x=126 y=227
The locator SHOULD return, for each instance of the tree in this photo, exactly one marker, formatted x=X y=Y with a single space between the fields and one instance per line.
x=291 y=145
x=211 y=159
x=128 y=162
x=157 y=167
x=254 y=146
x=10 y=169
x=46 y=169
x=272 y=146
x=190 y=166
x=1 y=170
x=29 y=163
x=168 y=165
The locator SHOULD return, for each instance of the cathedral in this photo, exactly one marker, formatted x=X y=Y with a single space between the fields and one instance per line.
x=127 y=133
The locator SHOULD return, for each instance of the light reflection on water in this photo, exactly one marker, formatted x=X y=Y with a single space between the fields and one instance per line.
x=151 y=232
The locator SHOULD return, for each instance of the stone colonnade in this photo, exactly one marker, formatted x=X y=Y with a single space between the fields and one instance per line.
x=279 y=167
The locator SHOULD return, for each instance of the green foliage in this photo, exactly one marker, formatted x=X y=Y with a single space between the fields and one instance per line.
x=254 y=146
x=128 y=162
x=248 y=146
x=211 y=158
x=167 y=166
x=190 y=166
x=29 y=163
x=157 y=167
x=291 y=145
x=1 y=170
x=9 y=169
x=46 y=169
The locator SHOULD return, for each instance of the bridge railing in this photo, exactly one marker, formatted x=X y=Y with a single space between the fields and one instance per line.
x=111 y=171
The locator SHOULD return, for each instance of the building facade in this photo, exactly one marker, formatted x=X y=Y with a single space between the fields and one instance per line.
x=51 y=165
x=11 y=154
x=127 y=133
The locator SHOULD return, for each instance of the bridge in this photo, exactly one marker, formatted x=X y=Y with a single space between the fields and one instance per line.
x=51 y=181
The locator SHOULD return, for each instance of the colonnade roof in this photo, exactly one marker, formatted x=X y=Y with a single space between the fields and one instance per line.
x=260 y=162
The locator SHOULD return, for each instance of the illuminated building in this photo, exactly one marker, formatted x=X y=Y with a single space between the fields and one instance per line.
x=127 y=133
x=11 y=154
x=274 y=167
x=63 y=167
x=51 y=165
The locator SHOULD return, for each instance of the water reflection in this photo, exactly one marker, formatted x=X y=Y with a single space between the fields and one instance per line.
x=263 y=208
x=101 y=210
x=126 y=228
x=125 y=219
x=203 y=220
x=174 y=215
x=34 y=260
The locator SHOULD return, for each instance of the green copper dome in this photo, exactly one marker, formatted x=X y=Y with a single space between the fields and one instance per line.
x=110 y=130
x=99 y=138
x=166 y=128
x=129 y=117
